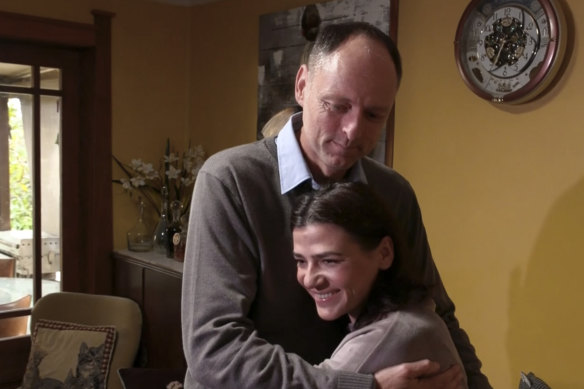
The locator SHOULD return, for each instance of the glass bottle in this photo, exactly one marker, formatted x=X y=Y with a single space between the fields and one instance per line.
x=140 y=236
x=160 y=236
x=180 y=240
x=174 y=227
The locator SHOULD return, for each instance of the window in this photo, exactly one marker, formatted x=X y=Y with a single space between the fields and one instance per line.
x=30 y=112
x=55 y=158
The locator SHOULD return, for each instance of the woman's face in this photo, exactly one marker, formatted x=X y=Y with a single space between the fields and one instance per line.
x=335 y=270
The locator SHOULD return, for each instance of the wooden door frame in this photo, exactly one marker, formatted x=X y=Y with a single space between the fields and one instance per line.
x=86 y=249
x=88 y=230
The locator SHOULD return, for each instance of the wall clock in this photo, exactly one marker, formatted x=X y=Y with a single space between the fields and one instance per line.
x=508 y=51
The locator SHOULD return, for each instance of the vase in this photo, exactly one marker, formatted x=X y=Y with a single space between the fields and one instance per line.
x=140 y=236
x=160 y=232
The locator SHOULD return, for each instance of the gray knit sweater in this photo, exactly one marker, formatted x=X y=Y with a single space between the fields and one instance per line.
x=410 y=334
x=246 y=321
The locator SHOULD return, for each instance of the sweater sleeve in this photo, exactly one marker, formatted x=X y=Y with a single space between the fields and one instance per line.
x=222 y=347
x=403 y=336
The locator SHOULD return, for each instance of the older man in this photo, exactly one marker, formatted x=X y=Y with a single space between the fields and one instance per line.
x=246 y=321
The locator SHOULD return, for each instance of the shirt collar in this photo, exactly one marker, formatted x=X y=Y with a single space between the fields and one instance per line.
x=291 y=165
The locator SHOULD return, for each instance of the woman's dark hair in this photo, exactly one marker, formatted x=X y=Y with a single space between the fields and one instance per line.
x=332 y=36
x=355 y=208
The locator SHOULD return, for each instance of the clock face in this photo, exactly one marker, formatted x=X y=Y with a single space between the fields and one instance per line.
x=509 y=50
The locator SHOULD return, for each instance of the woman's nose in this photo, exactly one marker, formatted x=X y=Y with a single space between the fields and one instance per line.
x=313 y=279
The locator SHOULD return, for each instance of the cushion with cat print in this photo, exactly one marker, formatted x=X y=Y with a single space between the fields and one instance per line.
x=69 y=355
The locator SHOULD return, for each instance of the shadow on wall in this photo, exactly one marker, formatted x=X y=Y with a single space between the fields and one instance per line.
x=546 y=306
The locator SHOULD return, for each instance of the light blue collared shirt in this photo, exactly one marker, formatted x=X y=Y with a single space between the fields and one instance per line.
x=291 y=165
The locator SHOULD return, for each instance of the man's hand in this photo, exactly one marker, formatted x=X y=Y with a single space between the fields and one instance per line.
x=419 y=375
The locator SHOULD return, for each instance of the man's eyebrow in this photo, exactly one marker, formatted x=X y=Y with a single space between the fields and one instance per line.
x=332 y=96
x=384 y=109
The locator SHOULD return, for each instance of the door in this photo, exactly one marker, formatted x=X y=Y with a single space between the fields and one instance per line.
x=55 y=156
x=39 y=116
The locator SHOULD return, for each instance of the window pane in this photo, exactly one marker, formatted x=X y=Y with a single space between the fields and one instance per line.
x=50 y=78
x=16 y=124
x=16 y=215
x=51 y=186
x=15 y=75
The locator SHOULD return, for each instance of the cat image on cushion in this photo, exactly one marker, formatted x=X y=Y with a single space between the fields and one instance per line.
x=87 y=373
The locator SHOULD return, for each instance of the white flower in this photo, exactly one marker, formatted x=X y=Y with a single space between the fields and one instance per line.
x=147 y=168
x=188 y=181
x=136 y=164
x=172 y=157
x=172 y=172
x=126 y=183
x=153 y=175
x=137 y=181
x=188 y=164
x=178 y=171
x=149 y=172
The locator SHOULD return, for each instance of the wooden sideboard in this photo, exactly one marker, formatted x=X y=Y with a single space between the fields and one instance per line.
x=154 y=282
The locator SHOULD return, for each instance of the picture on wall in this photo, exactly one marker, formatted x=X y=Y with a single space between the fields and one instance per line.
x=283 y=37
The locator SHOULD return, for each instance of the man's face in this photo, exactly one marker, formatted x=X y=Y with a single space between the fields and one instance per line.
x=346 y=100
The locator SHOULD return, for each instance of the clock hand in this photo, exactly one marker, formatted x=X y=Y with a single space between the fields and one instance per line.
x=499 y=53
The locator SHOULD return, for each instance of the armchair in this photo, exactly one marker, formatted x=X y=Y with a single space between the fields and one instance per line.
x=72 y=318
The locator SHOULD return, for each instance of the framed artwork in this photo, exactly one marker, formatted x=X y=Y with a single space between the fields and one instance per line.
x=282 y=40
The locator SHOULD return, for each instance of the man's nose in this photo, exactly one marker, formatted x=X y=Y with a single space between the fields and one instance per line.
x=352 y=123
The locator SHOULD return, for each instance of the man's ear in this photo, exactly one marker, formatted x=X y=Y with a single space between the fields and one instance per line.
x=300 y=85
x=386 y=252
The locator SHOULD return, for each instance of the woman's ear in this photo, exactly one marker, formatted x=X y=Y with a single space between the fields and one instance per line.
x=386 y=253
x=300 y=85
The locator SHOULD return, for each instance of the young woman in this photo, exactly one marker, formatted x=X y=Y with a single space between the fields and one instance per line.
x=352 y=261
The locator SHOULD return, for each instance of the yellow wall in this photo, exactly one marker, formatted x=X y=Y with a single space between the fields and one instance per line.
x=501 y=188
x=225 y=69
x=502 y=193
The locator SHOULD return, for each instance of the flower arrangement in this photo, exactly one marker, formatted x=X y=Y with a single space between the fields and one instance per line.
x=176 y=172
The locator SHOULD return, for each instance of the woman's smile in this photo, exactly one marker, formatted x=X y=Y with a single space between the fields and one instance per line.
x=322 y=296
